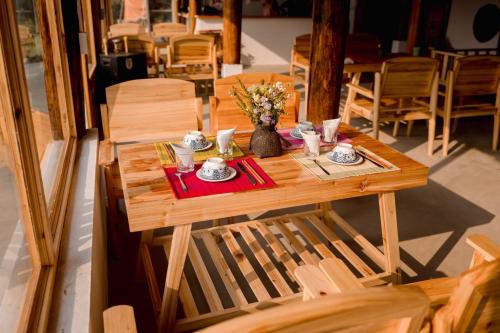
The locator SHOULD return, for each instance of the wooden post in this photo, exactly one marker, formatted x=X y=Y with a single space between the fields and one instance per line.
x=413 y=25
x=232 y=31
x=192 y=16
x=330 y=27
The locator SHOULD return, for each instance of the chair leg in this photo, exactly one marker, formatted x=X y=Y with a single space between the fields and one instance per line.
x=409 y=128
x=431 y=135
x=446 y=133
x=496 y=129
x=455 y=125
x=376 y=129
x=395 y=130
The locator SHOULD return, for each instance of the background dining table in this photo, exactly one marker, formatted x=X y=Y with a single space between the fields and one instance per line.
x=151 y=204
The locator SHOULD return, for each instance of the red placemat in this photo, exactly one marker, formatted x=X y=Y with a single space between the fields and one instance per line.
x=299 y=143
x=198 y=188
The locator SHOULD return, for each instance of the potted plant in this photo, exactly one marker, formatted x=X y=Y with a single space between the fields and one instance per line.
x=263 y=103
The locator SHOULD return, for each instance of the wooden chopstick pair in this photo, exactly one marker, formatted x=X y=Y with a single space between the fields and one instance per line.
x=253 y=172
x=362 y=151
x=169 y=153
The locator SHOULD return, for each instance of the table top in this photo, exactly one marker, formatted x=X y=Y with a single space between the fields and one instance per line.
x=151 y=204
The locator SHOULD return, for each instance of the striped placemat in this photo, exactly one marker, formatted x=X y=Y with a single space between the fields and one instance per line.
x=341 y=171
x=199 y=156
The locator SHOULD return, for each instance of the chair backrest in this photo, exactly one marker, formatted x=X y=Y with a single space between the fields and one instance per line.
x=192 y=49
x=302 y=47
x=361 y=47
x=151 y=109
x=369 y=310
x=408 y=77
x=126 y=29
x=169 y=29
x=476 y=75
x=474 y=305
x=224 y=113
x=119 y=319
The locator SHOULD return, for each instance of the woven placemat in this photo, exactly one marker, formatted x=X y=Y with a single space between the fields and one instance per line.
x=199 y=156
x=341 y=171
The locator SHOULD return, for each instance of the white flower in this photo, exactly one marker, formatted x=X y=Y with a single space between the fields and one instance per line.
x=268 y=106
x=263 y=99
x=255 y=111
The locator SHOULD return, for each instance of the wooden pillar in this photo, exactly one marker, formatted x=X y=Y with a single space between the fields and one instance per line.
x=232 y=31
x=330 y=27
x=192 y=15
x=413 y=25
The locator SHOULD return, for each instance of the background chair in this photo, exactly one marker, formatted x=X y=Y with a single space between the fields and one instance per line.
x=192 y=57
x=224 y=113
x=142 y=110
x=406 y=89
x=471 y=79
x=126 y=29
x=169 y=29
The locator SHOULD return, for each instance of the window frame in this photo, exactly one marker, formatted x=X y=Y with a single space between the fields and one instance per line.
x=42 y=225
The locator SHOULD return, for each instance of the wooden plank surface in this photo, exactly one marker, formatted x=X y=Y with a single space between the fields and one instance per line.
x=151 y=203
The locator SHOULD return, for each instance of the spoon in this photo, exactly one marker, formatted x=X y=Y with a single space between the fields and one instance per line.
x=184 y=187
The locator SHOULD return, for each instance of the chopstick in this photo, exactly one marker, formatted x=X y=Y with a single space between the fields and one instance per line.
x=253 y=172
x=169 y=153
x=371 y=158
x=324 y=170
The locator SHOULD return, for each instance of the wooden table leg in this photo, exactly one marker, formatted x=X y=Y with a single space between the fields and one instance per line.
x=176 y=260
x=389 y=226
x=146 y=237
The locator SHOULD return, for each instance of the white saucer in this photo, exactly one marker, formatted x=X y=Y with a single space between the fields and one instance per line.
x=232 y=174
x=359 y=159
x=209 y=144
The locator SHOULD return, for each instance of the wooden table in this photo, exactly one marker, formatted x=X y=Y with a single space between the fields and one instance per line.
x=151 y=205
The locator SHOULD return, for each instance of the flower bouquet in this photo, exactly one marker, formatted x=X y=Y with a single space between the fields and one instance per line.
x=263 y=103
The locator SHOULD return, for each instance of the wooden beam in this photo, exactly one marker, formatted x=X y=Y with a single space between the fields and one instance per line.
x=413 y=25
x=232 y=31
x=330 y=27
x=192 y=15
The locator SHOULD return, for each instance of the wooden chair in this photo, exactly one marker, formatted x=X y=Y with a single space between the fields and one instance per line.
x=471 y=78
x=119 y=319
x=224 y=113
x=126 y=29
x=169 y=29
x=191 y=57
x=360 y=47
x=468 y=303
x=374 y=310
x=143 y=110
x=397 y=94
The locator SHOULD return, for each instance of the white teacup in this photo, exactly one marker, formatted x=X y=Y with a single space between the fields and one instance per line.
x=344 y=153
x=214 y=168
x=330 y=128
x=195 y=140
x=305 y=126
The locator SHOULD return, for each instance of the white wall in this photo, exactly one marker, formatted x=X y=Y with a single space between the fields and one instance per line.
x=460 y=23
x=264 y=41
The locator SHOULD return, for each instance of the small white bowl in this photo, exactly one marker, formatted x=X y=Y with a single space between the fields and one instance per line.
x=215 y=168
x=344 y=153
x=195 y=140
